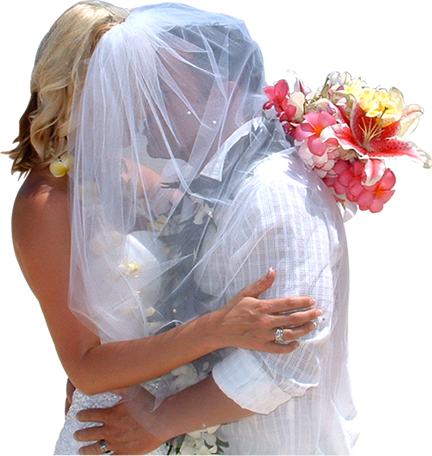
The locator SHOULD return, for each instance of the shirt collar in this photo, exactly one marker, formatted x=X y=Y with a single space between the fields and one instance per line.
x=214 y=167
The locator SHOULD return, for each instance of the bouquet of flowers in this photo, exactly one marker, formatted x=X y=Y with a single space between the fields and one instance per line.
x=345 y=131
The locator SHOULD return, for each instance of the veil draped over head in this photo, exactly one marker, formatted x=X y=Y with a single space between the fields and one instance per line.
x=167 y=126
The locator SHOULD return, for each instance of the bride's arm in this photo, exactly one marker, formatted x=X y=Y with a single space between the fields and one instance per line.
x=42 y=242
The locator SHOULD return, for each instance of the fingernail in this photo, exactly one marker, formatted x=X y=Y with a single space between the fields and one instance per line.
x=312 y=301
x=269 y=272
x=318 y=312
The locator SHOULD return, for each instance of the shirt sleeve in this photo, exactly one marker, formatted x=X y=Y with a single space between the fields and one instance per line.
x=288 y=225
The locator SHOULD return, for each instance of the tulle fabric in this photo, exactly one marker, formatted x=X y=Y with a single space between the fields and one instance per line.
x=164 y=91
x=182 y=193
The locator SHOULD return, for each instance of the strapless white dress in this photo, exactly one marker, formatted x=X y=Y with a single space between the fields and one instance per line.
x=66 y=443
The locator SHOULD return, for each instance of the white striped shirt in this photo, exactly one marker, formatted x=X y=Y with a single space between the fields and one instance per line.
x=284 y=217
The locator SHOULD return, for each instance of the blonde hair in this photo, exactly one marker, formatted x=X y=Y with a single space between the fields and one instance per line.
x=43 y=128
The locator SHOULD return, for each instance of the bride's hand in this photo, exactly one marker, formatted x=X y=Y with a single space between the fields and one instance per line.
x=251 y=323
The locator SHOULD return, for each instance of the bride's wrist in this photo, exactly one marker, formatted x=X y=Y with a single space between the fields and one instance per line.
x=215 y=329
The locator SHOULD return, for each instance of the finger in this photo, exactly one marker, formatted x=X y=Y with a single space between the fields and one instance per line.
x=290 y=304
x=290 y=334
x=96 y=415
x=94 y=448
x=289 y=347
x=264 y=283
x=90 y=449
x=296 y=318
x=90 y=434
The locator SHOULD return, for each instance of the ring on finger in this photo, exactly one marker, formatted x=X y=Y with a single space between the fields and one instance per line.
x=104 y=448
x=279 y=337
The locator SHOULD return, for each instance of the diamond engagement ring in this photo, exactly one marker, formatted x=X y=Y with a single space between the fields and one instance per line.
x=279 y=336
x=104 y=448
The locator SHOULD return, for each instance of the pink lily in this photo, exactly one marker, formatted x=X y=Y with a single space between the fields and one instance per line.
x=371 y=140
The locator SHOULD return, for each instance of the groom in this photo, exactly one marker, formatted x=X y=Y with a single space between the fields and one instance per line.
x=299 y=403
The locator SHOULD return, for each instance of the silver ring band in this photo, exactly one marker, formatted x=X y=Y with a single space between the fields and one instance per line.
x=104 y=448
x=279 y=336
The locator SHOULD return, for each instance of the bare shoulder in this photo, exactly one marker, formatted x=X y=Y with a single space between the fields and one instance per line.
x=41 y=197
x=39 y=186
x=40 y=218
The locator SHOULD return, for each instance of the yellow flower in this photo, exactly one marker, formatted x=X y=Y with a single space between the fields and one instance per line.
x=60 y=167
x=130 y=268
x=387 y=106
x=159 y=223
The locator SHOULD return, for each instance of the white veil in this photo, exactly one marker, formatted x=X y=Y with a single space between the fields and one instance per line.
x=166 y=127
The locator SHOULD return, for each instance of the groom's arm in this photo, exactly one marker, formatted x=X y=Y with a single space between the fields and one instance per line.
x=135 y=428
x=199 y=406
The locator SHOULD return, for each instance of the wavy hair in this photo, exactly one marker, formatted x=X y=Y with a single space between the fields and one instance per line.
x=43 y=128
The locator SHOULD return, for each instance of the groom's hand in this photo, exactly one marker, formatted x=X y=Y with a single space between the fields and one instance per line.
x=120 y=430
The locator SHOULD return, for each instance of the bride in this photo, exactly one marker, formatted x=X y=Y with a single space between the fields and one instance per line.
x=133 y=160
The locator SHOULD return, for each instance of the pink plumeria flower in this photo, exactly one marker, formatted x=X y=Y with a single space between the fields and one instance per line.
x=373 y=197
x=277 y=94
x=347 y=182
x=312 y=127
